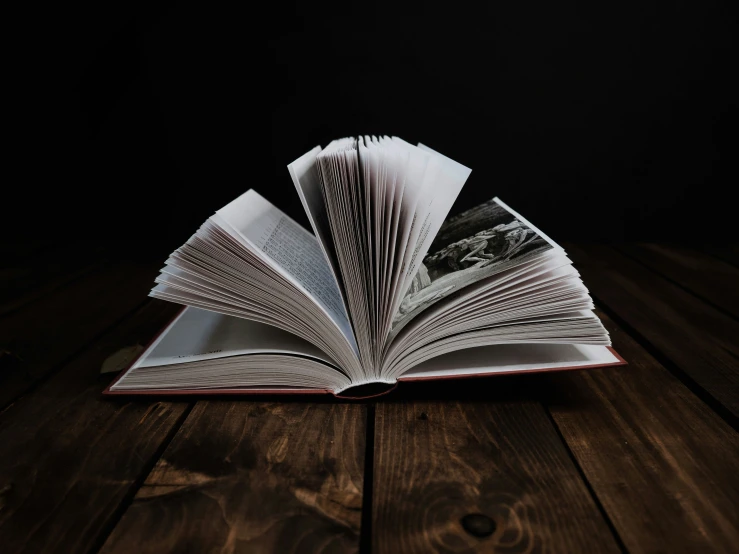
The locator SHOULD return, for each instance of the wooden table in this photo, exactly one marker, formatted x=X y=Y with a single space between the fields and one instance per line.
x=643 y=458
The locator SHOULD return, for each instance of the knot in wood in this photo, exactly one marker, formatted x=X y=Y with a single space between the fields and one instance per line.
x=478 y=525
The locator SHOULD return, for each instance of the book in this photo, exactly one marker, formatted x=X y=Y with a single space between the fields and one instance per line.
x=385 y=289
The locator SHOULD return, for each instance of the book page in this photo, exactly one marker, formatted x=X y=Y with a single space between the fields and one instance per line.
x=198 y=334
x=307 y=182
x=289 y=248
x=203 y=350
x=438 y=185
x=472 y=246
x=448 y=178
x=512 y=358
x=411 y=164
x=346 y=202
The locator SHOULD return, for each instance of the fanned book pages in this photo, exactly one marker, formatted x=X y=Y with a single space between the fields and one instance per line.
x=385 y=289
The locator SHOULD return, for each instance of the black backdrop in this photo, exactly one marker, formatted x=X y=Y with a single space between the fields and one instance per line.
x=597 y=121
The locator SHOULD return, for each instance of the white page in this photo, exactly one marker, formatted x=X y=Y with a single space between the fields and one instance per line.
x=506 y=358
x=391 y=206
x=198 y=334
x=439 y=186
x=446 y=179
x=476 y=306
x=458 y=239
x=246 y=285
x=308 y=184
x=202 y=349
x=348 y=202
x=413 y=170
x=289 y=249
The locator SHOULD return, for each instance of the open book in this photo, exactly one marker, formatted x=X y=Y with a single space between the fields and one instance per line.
x=384 y=290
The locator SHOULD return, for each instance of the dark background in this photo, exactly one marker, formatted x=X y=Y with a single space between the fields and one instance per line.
x=596 y=121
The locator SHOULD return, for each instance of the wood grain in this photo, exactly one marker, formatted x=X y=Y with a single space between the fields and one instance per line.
x=253 y=478
x=50 y=330
x=706 y=276
x=698 y=339
x=661 y=462
x=478 y=477
x=28 y=276
x=69 y=456
x=726 y=252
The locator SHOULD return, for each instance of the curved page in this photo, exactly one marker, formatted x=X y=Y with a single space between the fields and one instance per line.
x=198 y=334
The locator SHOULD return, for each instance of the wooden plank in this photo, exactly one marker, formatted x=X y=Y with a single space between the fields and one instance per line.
x=708 y=277
x=21 y=250
x=22 y=285
x=47 y=332
x=253 y=477
x=726 y=252
x=70 y=456
x=478 y=477
x=25 y=279
x=698 y=339
x=661 y=462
